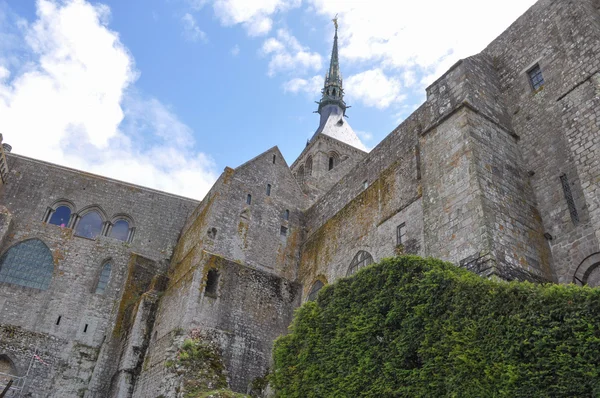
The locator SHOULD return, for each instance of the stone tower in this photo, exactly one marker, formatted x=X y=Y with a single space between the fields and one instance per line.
x=335 y=148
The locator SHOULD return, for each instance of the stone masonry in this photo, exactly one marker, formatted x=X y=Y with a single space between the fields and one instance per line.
x=498 y=171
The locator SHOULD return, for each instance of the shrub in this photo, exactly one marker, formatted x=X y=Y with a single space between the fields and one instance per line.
x=413 y=327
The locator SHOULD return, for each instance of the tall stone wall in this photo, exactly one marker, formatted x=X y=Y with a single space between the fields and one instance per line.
x=563 y=38
x=86 y=319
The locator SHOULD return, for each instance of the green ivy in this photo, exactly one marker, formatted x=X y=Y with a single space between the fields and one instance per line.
x=414 y=327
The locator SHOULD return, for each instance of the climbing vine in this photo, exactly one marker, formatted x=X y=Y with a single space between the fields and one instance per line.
x=414 y=327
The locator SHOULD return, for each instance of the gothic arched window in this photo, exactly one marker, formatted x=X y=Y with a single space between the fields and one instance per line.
x=121 y=230
x=301 y=175
x=362 y=259
x=28 y=263
x=308 y=166
x=104 y=278
x=90 y=225
x=316 y=287
x=60 y=216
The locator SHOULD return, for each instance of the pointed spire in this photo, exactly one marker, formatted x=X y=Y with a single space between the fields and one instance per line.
x=333 y=91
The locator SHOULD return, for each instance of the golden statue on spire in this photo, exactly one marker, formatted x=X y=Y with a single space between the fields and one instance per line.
x=335 y=19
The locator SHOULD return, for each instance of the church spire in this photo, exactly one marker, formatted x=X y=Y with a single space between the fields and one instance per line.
x=333 y=92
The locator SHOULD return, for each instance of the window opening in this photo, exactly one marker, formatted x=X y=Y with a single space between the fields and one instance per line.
x=287 y=215
x=301 y=175
x=60 y=216
x=28 y=263
x=400 y=234
x=85 y=328
x=268 y=189
x=330 y=162
x=212 y=283
x=314 y=291
x=90 y=225
x=308 y=166
x=120 y=230
x=535 y=77
x=569 y=198
x=249 y=199
x=283 y=231
x=418 y=161
x=58 y=320
x=362 y=259
x=365 y=184
x=104 y=278
x=274 y=158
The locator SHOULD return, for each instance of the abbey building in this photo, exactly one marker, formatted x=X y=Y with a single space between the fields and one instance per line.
x=497 y=171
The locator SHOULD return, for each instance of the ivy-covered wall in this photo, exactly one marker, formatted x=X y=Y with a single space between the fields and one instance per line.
x=414 y=327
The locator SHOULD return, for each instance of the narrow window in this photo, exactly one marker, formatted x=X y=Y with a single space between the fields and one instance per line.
x=268 y=189
x=249 y=199
x=569 y=198
x=90 y=225
x=418 y=161
x=274 y=158
x=535 y=77
x=308 y=166
x=283 y=231
x=104 y=278
x=400 y=233
x=330 y=162
x=85 y=328
x=58 y=320
x=120 y=230
x=365 y=184
x=60 y=216
x=212 y=283
x=286 y=215
x=300 y=175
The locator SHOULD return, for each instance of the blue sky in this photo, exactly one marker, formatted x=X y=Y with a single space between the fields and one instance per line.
x=166 y=93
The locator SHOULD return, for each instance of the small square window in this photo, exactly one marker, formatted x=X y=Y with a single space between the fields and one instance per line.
x=283 y=231
x=535 y=77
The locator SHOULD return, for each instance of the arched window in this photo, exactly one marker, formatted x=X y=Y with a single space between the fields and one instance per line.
x=8 y=371
x=28 y=263
x=312 y=296
x=362 y=259
x=334 y=159
x=120 y=230
x=60 y=216
x=301 y=175
x=308 y=166
x=90 y=225
x=104 y=278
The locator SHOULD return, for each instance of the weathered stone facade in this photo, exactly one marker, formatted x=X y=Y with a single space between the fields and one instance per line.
x=492 y=173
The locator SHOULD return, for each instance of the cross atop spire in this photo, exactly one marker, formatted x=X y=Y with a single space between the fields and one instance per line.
x=333 y=92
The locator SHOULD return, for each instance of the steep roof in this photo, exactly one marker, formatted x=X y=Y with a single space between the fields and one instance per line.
x=333 y=124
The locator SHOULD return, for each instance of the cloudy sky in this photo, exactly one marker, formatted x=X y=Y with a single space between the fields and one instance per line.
x=166 y=93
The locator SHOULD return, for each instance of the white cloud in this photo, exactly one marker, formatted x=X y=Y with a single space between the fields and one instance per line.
x=254 y=15
x=374 y=89
x=364 y=135
x=235 y=50
x=191 y=31
x=73 y=104
x=310 y=86
x=287 y=54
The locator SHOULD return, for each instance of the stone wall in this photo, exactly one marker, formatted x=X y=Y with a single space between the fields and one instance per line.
x=86 y=319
